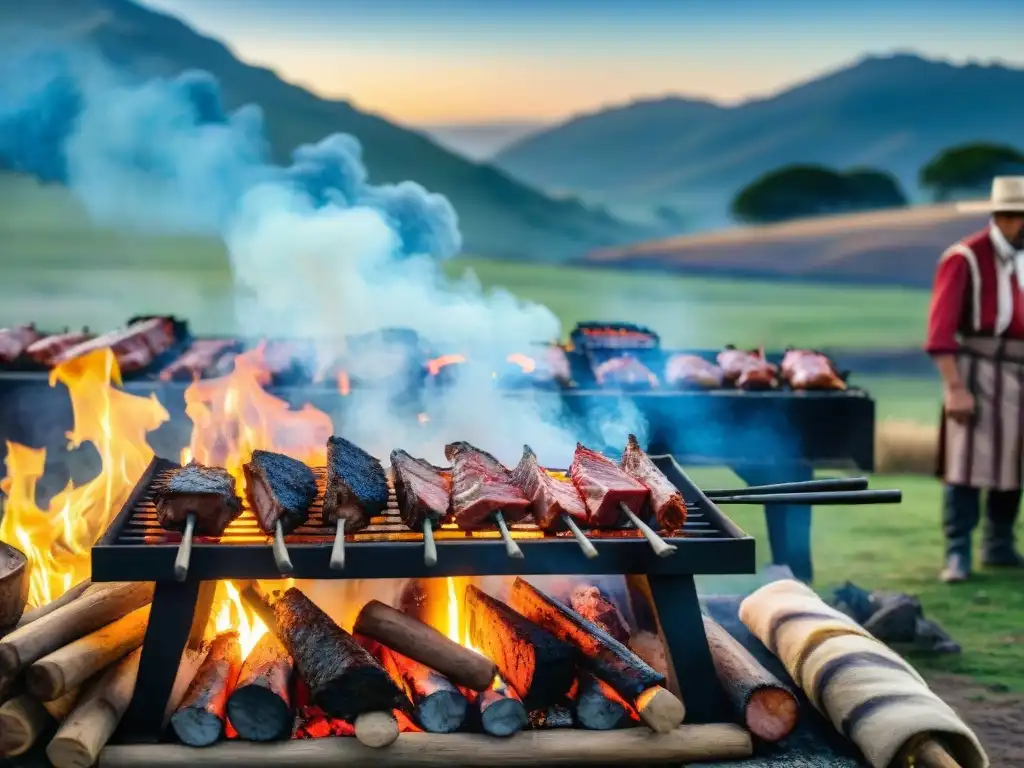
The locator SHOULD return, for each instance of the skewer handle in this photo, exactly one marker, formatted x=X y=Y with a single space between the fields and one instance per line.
x=818 y=498
x=181 y=562
x=338 y=550
x=511 y=548
x=284 y=563
x=588 y=548
x=798 y=486
x=660 y=547
x=429 y=547
x=931 y=754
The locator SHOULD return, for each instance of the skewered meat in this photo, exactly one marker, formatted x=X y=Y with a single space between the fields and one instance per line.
x=134 y=347
x=49 y=348
x=279 y=488
x=15 y=341
x=423 y=490
x=624 y=371
x=693 y=371
x=604 y=487
x=549 y=497
x=665 y=501
x=198 y=359
x=206 y=492
x=748 y=370
x=804 y=369
x=482 y=485
x=357 y=486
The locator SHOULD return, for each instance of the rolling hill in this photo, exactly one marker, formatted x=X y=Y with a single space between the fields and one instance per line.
x=892 y=112
x=499 y=216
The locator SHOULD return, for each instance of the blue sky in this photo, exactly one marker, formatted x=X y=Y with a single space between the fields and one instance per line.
x=463 y=61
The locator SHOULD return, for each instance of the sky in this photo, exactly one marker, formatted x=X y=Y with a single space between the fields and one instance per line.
x=434 y=62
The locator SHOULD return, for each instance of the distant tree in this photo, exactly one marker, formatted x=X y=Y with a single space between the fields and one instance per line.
x=796 y=191
x=968 y=169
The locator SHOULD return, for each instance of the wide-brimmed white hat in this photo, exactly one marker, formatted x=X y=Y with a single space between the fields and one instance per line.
x=1007 y=197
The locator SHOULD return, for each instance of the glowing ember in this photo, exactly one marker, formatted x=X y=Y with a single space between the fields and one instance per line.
x=434 y=366
x=344 y=385
x=57 y=539
x=423 y=418
x=528 y=364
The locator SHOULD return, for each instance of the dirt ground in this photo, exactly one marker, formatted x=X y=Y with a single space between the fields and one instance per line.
x=997 y=718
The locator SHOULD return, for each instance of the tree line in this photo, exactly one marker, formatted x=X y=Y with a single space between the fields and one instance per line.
x=797 y=191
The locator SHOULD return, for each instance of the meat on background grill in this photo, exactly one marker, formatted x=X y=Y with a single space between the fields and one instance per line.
x=748 y=369
x=693 y=371
x=279 y=488
x=624 y=370
x=134 y=347
x=49 y=348
x=200 y=358
x=481 y=486
x=804 y=369
x=15 y=341
x=423 y=491
x=603 y=487
x=549 y=497
x=357 y=485
x=206 y=492
x=665 y=500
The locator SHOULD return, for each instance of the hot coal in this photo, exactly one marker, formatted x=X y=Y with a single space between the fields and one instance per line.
x=481 y=486
x=604 y=487
x=554 y=716
x=357 y=485
x=423 y=490
x=280 y=489
x=208 y=493
x=550 y=497
x=593 y=605
x=665 y=500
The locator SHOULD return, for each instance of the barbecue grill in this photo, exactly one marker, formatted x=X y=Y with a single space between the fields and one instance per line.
x=136 y=548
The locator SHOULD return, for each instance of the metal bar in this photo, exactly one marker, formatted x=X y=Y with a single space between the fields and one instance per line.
x=804 y=486
x=819 y=499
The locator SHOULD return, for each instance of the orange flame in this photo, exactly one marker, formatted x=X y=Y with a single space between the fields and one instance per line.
x=528 y=364
x=434 y=366
x=57 y=539
x=456 y=627
x=344 y=385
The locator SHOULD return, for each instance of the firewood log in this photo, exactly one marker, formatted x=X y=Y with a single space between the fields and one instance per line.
x=22 y=721
x=60 y=708
x=499 y=712
x=14 y=584
x=54 y=675
x=259 y=708
x=92 y=722
x=100 y=605
x=45 y=610
x=597 y=707
x=199 y=720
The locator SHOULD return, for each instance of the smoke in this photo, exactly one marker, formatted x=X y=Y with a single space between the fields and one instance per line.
x=316 y=250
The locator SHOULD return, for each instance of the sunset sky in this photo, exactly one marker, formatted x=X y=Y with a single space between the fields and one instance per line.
x=428 y=62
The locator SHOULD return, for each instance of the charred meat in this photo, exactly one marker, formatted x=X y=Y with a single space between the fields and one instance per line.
x=665 y=501
x=357 y=486
x=198 y=359
x=206 y=492
x=15 y=341
x=134 y=347
x=49 y=348
x=279 y=488
x=748 y=369
x=693 y=371
x=549 y=496
x=423 y=490
x=804 y=369
x=481 y=486
x=604 y=487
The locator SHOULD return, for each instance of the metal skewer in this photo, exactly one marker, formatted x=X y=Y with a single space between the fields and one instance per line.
x=511 y=548
x=181 y=562
x=660 y=547
x=338 y=550
x=284 y=562
x=581 y=539
x=429 y=547
x=825 y=497
x=801 y=486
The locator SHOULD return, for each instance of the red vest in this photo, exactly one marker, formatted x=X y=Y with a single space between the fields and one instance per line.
x=989 y=302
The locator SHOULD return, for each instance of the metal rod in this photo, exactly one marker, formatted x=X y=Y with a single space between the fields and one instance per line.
x=284 y=563
x=836 y=497
x=429 y=547
x=800 y=486
x=660 y=547
x=511 y=548
x=338 y=550
x=185 y=549
x=581 y=539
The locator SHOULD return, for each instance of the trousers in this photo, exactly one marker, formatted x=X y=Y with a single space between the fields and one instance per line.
x=961 y=514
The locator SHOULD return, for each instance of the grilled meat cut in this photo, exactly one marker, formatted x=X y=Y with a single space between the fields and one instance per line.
x=693 y=371
x=625 y=371
x=198 y=359
x=604 y=487
x=748 y=369
x=804 y=369
x=15 y=341
x=549 y=496
x=206 y=492
x=481 y=486
x=47 y=349
x=134 y=347
x=279 y=488
x=665 y=500
x=423 y=490
x=357 y=486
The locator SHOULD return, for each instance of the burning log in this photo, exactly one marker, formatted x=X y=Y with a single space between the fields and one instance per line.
x=345 y=680
x=598 y=707
x=538 y=666
x=603 y=655
x=92 y=722
x=13 y=584
x=438 y=706
x=377 y=729
x=98 y=606
x=590 y=603
x=22 y=721
x=555 y=716
x=45 y=610
x=199 y=720
x=766 y=707
x=631 y=746
x=499 y=712
x=422 y=643
x=67 y=668
x=260 y=708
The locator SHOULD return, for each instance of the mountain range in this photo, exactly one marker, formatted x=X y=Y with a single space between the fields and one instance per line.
x=481 y=141
x=499 y=216
x=891 y=112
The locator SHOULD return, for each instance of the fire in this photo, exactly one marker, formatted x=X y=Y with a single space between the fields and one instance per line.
x=434 y=366
x=57 y=539
x=456 y=626
x=344 y=384
x=233 y=614
x=234 y=415
x=528 y=364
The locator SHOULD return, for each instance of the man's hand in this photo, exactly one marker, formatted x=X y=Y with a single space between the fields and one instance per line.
x=958 y=403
